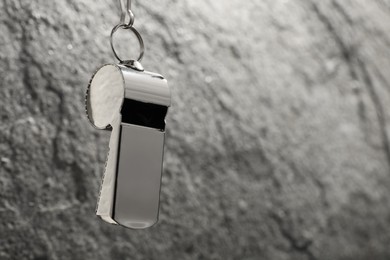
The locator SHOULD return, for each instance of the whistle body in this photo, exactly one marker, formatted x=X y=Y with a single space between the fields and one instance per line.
x=133 y=105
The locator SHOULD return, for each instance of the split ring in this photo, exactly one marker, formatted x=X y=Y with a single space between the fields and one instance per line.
x=136 y=33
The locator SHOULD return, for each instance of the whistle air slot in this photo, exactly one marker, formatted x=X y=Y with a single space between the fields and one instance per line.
x=144 y=114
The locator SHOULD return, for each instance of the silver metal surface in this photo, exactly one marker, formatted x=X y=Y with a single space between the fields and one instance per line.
x=132 y=178
x=138 y=190
x=146 y=87
x=133 y=64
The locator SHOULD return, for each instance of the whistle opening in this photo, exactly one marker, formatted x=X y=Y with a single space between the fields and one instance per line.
x=144 y=114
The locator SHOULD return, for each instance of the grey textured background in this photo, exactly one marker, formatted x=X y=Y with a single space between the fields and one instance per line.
x=278 y=138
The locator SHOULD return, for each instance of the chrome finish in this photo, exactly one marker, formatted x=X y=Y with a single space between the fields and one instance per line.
x=133 y=64
x=139 y=176
x=133 y=105
x=146 y=87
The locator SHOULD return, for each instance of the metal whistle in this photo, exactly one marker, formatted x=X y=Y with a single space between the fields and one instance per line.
x=133 y=105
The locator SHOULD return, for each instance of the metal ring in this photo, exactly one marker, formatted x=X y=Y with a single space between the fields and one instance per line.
x=136 y=33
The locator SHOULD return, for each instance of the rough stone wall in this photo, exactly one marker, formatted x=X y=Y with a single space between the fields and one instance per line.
x=278 y=140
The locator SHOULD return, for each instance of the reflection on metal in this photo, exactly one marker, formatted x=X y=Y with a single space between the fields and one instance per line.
x=133 y=105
